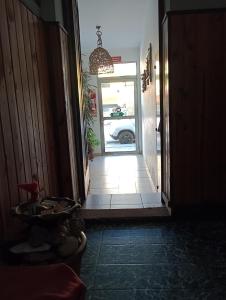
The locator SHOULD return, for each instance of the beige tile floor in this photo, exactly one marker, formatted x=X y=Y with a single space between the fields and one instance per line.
x=125 y=174
x=123 y=201
x=121 y=182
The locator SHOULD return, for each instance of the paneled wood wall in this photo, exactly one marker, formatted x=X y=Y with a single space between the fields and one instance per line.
x=196 y=98
x=26 y=125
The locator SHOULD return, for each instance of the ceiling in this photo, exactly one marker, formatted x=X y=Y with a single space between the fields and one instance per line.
x=122 y=22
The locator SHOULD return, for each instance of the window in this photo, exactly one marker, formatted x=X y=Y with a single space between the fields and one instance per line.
x=123 y=69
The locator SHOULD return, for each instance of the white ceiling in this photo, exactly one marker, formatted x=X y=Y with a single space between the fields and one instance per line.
x=122 y=22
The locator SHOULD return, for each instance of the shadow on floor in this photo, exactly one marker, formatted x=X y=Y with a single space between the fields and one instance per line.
x=155 y=260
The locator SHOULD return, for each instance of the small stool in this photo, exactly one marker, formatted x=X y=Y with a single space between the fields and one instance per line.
x=49 y=282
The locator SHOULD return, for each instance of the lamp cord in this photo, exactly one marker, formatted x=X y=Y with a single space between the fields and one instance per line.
x=99 y=33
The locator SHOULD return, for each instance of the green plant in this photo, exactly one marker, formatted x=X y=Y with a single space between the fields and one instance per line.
x=91 y=137
x=86 y=99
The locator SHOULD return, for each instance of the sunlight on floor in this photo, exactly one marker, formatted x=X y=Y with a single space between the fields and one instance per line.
x=120 y=174
x=121 y=186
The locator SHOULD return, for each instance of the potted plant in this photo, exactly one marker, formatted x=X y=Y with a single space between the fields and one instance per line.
x=92 y=142
x=91 y=137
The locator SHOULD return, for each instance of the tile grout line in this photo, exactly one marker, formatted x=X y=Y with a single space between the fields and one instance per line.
x=95 y=266
x=98 y=256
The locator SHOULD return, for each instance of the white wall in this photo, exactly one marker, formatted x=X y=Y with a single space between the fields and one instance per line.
x=128 y=55
x=121 y=22
x=148 y=98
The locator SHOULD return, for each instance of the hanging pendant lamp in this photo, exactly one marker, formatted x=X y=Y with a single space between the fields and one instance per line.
x=100 y=61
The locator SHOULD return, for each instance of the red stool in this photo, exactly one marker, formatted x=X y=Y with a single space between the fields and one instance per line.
x=49 y=282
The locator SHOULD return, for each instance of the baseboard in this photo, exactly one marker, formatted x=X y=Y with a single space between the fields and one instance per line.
x=154 y=212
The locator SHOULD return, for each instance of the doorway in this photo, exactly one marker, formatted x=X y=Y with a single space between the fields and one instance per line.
x=118 y=115
x=121 y=99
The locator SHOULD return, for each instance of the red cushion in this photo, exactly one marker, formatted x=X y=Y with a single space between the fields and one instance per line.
x=51 y=282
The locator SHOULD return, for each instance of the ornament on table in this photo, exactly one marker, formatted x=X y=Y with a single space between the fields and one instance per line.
x=33 y=189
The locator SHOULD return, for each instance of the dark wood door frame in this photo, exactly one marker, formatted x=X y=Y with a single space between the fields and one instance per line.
x=70 y=12
x=161 y=13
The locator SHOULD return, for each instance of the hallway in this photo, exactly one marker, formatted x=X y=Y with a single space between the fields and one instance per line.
x=124 y=174
x=121 y=186
x=155 y=261
x=121 y=182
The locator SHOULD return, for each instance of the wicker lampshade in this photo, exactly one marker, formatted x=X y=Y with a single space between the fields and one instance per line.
x=100 y=61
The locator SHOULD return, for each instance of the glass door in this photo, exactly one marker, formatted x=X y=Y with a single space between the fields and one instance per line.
x=118 y=115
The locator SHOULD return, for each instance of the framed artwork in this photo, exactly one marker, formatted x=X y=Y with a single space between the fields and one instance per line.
x=147 y=75
x=144 y=81
x=149 y=64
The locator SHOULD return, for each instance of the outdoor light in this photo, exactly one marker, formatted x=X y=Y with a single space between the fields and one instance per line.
x=100 y=61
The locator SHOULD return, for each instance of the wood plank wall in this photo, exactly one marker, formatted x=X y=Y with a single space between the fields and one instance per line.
x=26 y=127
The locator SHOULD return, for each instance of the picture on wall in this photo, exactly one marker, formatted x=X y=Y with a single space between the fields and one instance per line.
x=147 y=75
x=144 y=82
x=149 y=63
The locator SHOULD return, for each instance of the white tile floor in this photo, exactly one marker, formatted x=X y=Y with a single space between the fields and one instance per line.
x=125 y=174
x=121 y=182
x=123 y=201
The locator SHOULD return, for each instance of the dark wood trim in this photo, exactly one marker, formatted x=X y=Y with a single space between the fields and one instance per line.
x=32 y=6
x=57 y=68
x=58 y=24
x=161 y=15
x=190 y=11
x=164 y=19
x=72 y=26
x=171 y=112
x=196 y=11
